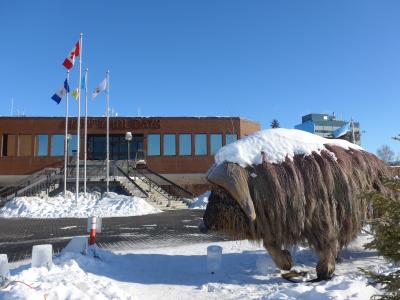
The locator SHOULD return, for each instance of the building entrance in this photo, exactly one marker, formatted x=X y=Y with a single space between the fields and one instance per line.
x=97 y=147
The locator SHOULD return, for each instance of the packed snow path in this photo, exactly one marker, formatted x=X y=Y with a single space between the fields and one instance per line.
x=18 y=235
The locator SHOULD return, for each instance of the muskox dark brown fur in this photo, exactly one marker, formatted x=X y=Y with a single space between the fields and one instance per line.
x=316 y=198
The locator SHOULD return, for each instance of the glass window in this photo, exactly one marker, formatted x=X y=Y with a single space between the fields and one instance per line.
x=41 y=143
x=185 y=144
x=96 y=147
x=25 y=145
x=216 y=143
x=57 y=145
x=169 y=144
x=10 y=144
x=153 y=144
x=72 y=145
x=230 y=138
x=200 y=144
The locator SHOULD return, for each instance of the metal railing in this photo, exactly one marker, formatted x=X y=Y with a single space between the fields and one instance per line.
x=132 y=181
x=44 y=180
x=167 y=185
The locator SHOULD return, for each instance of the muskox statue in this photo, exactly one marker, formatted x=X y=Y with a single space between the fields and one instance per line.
x=316 y=197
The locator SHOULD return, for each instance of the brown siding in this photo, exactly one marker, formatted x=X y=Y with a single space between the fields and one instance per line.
x=28 y=127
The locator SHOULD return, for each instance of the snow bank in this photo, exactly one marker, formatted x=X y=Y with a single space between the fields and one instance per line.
x=67 y=279
x=181 y=273
x=277 y=144
x=111 y=205
x=199 y=202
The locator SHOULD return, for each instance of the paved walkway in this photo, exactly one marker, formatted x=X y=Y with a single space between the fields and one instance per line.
x=18 y=235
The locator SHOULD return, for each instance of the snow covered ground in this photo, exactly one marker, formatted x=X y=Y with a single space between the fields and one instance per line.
x=180 y=273
x=111 y=205
x=199 y=202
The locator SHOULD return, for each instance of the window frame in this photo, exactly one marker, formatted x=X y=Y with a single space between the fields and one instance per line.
x=51 y=145
x=175 y=144
x=37 y=143
x=191 y=144
x=195 y=144
x=148 y=144
x=211 y=142
x=230 y=134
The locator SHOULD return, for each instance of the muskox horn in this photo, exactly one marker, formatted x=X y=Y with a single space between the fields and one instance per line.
x=233 y=178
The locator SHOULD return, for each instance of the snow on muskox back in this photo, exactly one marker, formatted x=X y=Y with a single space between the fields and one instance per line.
x=284 y=186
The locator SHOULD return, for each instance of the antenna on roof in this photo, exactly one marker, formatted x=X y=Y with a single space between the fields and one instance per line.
x=138 y=111
x=12 y=106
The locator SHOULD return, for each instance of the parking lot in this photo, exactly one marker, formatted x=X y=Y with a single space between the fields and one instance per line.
x=18 y=235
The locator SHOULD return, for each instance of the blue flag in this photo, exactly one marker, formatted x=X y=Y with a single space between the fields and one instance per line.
x=83 y=83
x=61 y=93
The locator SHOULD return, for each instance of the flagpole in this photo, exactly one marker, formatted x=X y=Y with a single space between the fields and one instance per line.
x=66 y=140
x=85 y=145
x=108 y=129
x=79 y=120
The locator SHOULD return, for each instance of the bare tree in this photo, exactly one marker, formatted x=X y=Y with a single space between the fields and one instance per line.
x=385 y=153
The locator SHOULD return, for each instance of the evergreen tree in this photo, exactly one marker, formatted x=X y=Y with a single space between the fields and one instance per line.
x=275 y=123
x=386 y=229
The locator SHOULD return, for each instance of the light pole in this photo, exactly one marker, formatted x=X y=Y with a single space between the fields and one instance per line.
x=68 y=140
x=128 y=138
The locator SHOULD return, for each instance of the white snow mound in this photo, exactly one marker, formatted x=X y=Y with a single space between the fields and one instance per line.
x=200 y=202
x=110 y=205
x=277 y=144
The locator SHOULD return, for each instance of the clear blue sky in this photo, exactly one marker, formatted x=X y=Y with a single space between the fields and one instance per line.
x=255 y=59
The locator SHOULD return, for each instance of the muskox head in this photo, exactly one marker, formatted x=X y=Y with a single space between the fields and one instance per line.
x=230 y=208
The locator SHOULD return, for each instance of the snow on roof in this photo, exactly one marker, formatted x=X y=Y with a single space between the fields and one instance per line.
x=277 y=144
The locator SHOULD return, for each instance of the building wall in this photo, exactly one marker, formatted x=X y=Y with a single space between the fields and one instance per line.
x=22 y=144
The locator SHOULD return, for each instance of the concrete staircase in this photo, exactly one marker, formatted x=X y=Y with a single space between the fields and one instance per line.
x=156 y=196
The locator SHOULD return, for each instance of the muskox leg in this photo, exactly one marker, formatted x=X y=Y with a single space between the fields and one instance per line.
x=282 y=258
x=326 y=265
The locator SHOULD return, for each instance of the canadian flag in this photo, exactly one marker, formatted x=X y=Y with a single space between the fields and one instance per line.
x=69 y=61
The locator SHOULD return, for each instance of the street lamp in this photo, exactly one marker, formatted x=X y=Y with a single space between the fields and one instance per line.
x=128 y=138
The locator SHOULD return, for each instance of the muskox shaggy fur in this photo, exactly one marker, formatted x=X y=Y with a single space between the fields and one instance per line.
x=316 y=198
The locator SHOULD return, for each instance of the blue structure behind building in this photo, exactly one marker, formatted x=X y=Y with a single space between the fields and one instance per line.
x=325 y=125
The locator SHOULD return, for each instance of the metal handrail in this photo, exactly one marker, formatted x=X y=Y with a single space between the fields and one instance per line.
x=32 y=180
x=132 y=181
x=141 y=171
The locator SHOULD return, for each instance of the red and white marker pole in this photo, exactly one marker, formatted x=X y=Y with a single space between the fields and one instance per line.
x=92 y=237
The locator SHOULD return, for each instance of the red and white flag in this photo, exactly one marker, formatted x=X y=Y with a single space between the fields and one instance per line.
x=70 y=60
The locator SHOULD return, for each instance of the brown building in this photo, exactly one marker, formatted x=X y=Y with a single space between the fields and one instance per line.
x=180 y=148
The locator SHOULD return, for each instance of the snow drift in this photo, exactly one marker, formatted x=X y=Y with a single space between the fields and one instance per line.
x=277 y=144
x=110 y=205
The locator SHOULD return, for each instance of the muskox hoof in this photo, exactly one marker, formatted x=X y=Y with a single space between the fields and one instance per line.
x=325 y=271
x=283 y=260
x=287 y=261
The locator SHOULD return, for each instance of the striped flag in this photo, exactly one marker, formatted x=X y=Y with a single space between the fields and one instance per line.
x=61 y=93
